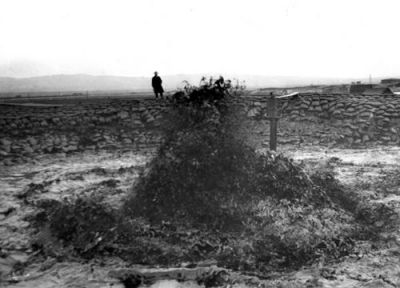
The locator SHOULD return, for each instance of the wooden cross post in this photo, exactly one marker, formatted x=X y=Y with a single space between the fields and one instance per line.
x=273 y=121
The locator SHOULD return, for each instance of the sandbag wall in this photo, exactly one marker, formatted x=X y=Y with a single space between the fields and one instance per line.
x=30 y=130
x=345 y=120
x=316 y=119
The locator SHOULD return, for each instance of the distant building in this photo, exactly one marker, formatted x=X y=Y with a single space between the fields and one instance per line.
x=358 y=88
x=390 y=81
x=378 y=91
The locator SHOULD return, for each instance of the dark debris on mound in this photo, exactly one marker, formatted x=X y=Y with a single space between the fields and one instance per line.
x=217 y=181
x=204 y=175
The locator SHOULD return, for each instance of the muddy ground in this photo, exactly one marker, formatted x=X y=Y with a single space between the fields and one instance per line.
x=107 y=176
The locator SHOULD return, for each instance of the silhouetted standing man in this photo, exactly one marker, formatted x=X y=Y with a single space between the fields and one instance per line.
x=157 y=87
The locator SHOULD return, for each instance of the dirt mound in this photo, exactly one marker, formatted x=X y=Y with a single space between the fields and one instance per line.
x=207 y=178
x=203 y=178
x=204 y=174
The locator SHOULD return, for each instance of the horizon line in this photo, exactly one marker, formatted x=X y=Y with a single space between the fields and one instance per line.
x=206 y=74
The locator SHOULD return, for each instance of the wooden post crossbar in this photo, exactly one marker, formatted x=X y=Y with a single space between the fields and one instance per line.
x=273 y=120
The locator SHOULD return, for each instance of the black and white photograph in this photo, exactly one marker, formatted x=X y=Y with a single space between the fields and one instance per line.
x=199 y=143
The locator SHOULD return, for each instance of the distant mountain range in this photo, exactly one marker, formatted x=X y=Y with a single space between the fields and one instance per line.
x=83 y=82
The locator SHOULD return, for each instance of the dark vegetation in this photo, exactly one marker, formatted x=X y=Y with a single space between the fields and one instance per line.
x=208 y=195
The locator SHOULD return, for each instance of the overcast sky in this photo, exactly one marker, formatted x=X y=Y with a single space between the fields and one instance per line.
x=321 y=38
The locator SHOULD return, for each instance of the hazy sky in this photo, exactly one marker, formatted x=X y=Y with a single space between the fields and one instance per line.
x=322 y=38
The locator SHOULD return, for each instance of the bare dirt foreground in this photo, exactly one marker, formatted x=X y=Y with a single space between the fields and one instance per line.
x=58 y=177
x=373 y=173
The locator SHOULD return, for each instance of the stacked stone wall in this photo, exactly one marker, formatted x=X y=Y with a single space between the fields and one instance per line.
x=31 y=130
x=350 y=120
x=316 y=119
